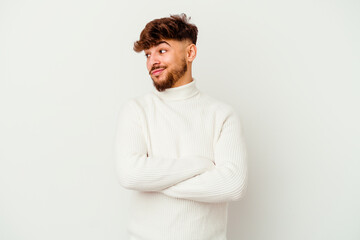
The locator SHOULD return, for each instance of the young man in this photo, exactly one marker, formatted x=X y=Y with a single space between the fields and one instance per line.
x=180 y=150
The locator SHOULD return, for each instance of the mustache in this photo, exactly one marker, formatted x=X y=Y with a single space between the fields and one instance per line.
x=156 y=67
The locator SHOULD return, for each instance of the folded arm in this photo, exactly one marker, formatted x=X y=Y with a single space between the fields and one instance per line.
x=227 y=181
x=138 y=171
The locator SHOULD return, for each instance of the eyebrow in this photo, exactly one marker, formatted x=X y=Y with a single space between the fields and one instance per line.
x=158 y=43
x=163 y=42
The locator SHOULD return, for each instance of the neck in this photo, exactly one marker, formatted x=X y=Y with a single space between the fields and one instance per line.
x=181 y=92
x=187 y=78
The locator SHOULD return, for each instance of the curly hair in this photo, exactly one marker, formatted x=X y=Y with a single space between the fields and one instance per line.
x=175 y=27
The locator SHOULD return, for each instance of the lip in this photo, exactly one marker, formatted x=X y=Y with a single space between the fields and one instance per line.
x=158 y=71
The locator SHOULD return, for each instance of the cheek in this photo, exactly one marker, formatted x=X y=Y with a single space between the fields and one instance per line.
x=148 y=66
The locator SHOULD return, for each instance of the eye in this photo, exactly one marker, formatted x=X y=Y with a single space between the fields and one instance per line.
x=162 y=51
x=147 y=55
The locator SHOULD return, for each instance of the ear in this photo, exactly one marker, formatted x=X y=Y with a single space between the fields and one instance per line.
x=191 y=51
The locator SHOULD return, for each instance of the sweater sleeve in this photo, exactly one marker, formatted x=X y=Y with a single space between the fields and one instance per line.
x=138 y=171
x=227 y=181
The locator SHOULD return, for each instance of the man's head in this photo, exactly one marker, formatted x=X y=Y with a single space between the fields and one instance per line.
x=170 y=47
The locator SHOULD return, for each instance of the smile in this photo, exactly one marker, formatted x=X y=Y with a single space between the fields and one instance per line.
x=157 y=72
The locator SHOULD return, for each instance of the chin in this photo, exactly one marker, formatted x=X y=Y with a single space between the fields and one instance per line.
x=160 y=78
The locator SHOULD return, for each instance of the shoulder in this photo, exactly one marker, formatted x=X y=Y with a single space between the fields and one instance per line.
x=226 y=115
x=136 y=106
x=139 y=101
x=220 y=106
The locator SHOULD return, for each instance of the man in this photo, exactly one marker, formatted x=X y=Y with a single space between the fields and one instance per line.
x=180 y=150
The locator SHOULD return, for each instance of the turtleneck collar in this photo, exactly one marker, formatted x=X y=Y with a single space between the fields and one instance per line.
x=178 y=93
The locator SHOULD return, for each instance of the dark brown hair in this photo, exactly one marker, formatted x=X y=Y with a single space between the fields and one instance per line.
x=175 y=27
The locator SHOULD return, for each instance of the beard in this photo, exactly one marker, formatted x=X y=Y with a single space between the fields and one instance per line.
x=171 y=77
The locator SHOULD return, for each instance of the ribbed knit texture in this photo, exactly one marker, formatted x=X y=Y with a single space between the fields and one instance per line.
x=183 y=153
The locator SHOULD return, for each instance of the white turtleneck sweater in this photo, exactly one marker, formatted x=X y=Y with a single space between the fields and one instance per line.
x=183 y=154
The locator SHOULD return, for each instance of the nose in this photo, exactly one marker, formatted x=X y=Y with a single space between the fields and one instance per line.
x=153 y=60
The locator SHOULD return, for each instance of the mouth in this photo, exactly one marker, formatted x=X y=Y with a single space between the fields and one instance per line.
x=157 y=71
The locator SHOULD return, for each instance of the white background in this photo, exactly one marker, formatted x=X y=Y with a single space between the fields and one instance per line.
x=291 y=69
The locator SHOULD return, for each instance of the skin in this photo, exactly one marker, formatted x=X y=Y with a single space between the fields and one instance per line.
x=170 y=62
